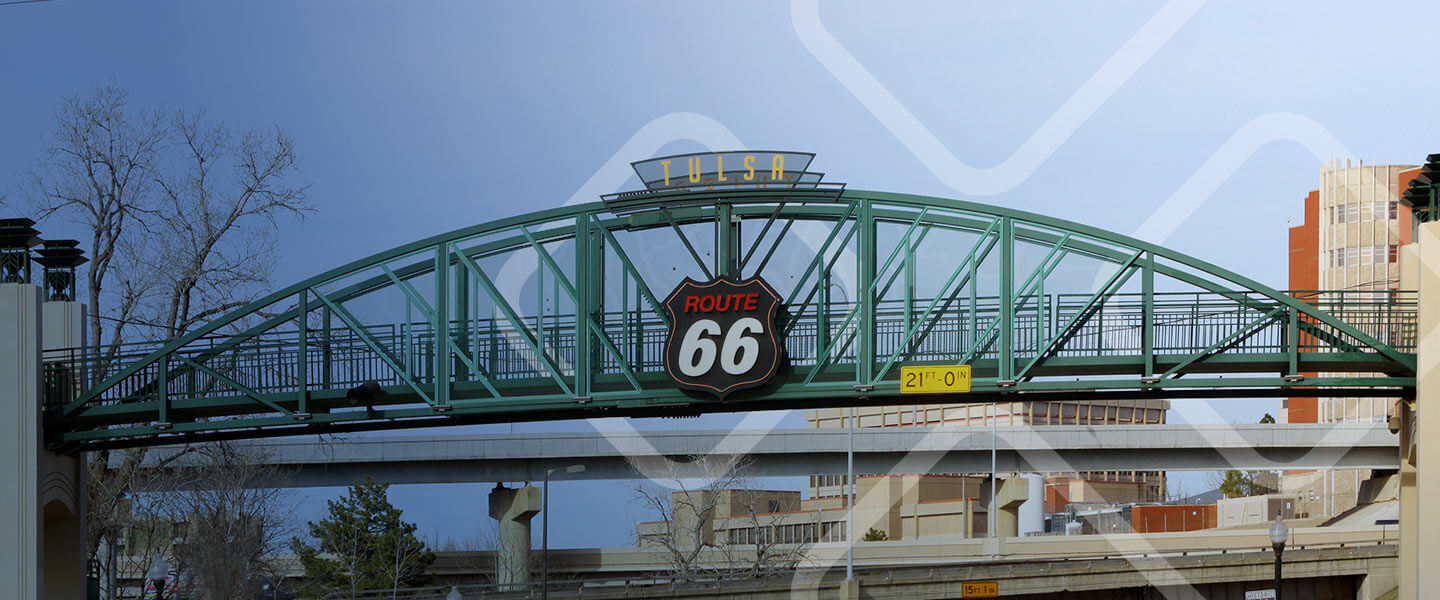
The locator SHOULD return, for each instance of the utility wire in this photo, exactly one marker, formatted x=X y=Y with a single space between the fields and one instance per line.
x=10 y=2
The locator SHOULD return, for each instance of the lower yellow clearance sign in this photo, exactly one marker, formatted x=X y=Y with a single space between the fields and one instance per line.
x=980 y=589
x=935 y=379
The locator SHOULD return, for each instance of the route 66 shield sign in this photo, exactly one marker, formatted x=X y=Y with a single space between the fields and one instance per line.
x=722 y=335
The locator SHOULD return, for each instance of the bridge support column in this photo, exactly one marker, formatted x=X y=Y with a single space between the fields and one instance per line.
x=20 y=532
x=1427 y=425
x=513 y=508
x=1013 y=492
x=62 y=478
x=42 y=494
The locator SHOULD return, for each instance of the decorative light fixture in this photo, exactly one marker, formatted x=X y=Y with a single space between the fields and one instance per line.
x=17 y=237
x=157 y=575
x=1279 y=532
x=60 y=258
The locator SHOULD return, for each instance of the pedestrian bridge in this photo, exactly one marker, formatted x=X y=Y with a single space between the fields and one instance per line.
x=559 y=314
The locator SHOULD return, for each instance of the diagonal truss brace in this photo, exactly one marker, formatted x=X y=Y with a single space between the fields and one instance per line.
x=569 y=288
x=514 y=319
x=365 y=337
x=239 y=387
x=1239 y=335
x=820 y=253
x=1117 y=279
x=867 y=296
x=1040 y=272
x=829 y=264
x=686 y=240
x=760 y=238
x=429 y=312
x=628 y=265
x=974 y=255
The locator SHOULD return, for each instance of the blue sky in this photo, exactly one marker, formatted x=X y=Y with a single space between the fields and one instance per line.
x=414 y=118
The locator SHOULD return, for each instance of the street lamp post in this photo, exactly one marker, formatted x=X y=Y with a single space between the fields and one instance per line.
x=850 y=496
x=545 y=527
x=1278 y=534
x=158 y=571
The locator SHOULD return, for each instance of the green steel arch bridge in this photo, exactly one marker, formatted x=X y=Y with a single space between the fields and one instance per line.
x=558 y=314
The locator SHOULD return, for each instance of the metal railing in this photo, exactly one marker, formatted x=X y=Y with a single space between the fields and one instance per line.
x=339 y=358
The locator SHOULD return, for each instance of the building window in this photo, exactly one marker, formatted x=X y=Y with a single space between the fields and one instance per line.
x=1394 y=209
x=1394 y=253
x=774 y=506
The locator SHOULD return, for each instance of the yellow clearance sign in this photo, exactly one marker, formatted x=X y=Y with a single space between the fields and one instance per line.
x=979 y=589
x=935 y=379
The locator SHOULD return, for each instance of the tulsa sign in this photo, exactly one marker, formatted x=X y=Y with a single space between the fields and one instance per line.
x=722 y=335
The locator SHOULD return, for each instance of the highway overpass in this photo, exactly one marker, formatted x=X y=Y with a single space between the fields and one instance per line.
x=460 y=458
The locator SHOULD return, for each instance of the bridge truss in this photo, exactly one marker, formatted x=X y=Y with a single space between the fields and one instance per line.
x=557 y=314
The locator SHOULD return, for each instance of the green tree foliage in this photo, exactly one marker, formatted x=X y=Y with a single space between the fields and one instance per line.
x=362 y=544
x=1239 y=484
x=875 y=535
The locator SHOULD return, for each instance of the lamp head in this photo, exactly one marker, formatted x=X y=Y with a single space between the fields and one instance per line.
x=158 y=570
x=1279 y=532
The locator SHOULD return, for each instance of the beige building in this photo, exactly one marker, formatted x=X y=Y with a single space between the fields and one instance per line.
x=1360 y=235
x=1349 y=241
x=1061 y=489
x=1254 y=510
x=904 y=507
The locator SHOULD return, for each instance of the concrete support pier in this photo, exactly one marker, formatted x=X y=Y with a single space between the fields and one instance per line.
x=20 y=380
x=62 y=477
x=1426 y=416
x=513 y=508
x=42 y=494
x=1014 y=491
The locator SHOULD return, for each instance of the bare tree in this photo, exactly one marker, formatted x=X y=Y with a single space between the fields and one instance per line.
x=117 y=521
x=180 y=214
x=488 y=538
x=236 y=514
x=400 y=549
x=215 y=232
x=685 y=498
x=147 y=537
x=771 y=546
x=699 y=503
x=100 y=169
